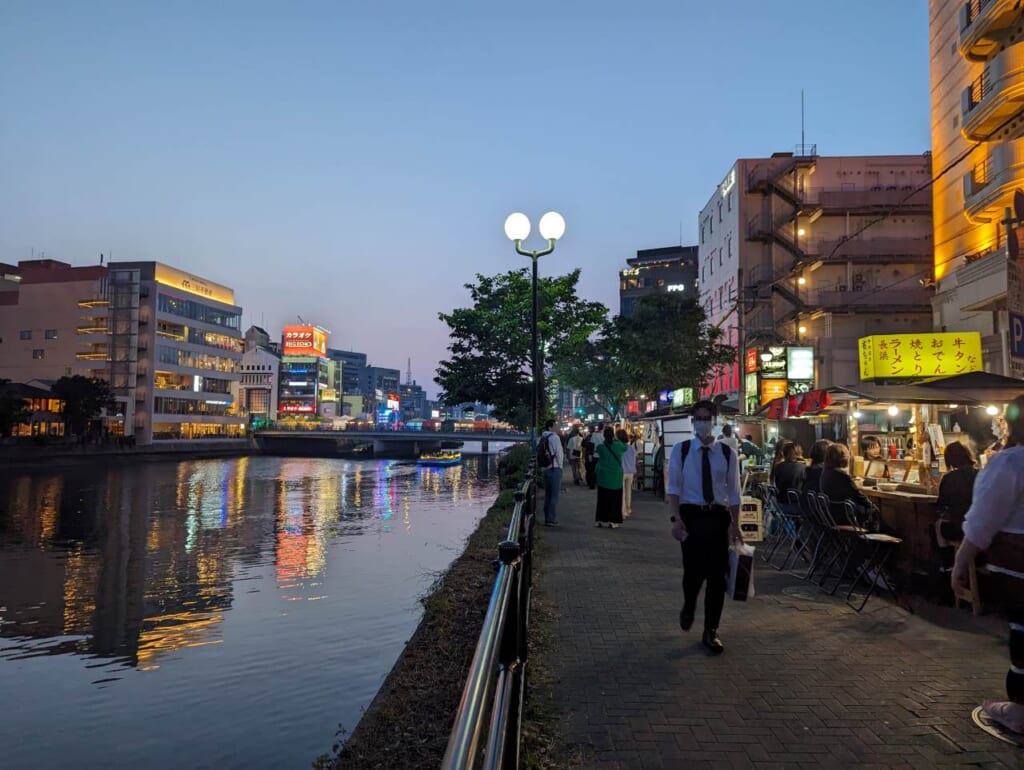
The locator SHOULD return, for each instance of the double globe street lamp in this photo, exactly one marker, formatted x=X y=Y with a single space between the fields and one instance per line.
x=517 y=229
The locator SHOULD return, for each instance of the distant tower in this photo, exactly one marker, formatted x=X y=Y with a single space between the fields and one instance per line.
x=408 y=371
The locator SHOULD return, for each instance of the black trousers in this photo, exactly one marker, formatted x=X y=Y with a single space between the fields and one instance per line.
x=705 y=558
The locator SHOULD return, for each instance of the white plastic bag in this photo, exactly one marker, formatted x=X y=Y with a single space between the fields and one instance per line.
x=741 y=572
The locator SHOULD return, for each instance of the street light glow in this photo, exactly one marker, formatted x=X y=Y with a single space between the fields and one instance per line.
x=991 y=411
x=893 y=410
x=517 y=226
x=552 y=226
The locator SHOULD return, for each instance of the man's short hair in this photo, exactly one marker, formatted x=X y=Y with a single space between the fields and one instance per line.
x=549 y=424
x=709 y=406
x=726 y=430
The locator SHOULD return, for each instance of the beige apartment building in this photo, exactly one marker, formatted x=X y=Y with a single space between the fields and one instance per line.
x=798 y=260
x=977 y=96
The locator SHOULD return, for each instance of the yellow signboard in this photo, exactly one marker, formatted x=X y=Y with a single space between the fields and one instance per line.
x=892 y=356
x=772 y=389
x=193 y=284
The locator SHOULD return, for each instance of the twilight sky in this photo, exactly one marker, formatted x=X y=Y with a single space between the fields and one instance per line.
x=353 y=163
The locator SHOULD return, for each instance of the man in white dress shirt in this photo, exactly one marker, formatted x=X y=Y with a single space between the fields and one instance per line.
x=705 y=492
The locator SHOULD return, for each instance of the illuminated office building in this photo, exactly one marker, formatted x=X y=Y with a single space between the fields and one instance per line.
x=308 y=380
x=671 y=269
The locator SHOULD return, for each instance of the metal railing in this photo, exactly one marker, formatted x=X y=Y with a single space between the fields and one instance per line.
x=499 y=663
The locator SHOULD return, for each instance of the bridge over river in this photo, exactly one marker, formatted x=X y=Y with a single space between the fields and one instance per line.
x=379 y=443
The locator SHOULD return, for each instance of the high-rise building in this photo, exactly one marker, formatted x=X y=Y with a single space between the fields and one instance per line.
x=793 y=254
x=353 y=366
x=671 y=269
x=307 y=379
x=978 y=148
x=381 y=395
x=413 y=401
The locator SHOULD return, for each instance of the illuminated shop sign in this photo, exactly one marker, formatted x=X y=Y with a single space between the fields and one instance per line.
x=728 y=183
x=300 y=408
x=676 y=287
x=393 y=402
x=193 y=284
x=800 y=363
x=304 y=341
x=773 y=362
x=750 y=361
x=884 y=356
x=682 y=396
x=665 y=397
x=772 y=389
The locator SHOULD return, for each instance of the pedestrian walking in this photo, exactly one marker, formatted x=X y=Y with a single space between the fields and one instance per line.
x=590 y=456
x=659 y=469
x=628 y=473
x=609 y=480
x=704 y=492
x=994 y=524
x=552 y=471
x=575 y=447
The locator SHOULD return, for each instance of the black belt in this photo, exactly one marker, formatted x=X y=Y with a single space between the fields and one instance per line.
x=703 y=508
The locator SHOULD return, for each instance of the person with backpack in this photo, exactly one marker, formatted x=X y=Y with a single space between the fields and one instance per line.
x=704 y=496
x=550 y=457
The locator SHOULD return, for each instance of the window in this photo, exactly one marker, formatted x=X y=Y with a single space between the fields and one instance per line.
x=729 y=201
x=38 y=353
x=702 y=232
x=719 y=211
x=25 y=334
x=728 y=245
x=51 y=334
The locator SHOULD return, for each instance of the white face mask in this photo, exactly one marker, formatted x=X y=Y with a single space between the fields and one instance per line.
x=702 y=428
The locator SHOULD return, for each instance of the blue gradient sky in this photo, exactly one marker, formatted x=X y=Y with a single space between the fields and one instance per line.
x=354 y=166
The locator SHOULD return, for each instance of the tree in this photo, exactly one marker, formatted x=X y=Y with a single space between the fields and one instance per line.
x=12 y=409
x=597 y=368
x=668 y=343
x=84 y=399
x=490 y=341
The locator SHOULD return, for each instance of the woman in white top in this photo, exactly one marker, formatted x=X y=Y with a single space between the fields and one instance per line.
x=628 y=473
x=995 y=524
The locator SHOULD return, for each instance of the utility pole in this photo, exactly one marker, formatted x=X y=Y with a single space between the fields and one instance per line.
x=741 y=356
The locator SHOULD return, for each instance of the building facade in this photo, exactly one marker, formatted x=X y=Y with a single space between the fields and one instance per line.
x=307 y=379
x=976 y=53
x=794 y=251
x=174 y=348
x=671 y=269
x=413 y=402
x=258 y=387
x=50 y=325
x=353 y=366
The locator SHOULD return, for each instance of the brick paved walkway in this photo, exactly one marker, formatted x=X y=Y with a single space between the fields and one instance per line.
x=804 y=681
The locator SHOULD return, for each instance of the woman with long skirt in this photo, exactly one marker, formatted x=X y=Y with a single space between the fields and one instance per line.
x=609 y=480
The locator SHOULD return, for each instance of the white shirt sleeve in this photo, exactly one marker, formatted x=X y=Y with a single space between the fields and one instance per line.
x=732 y=479
x=997 y=490
x=675 y=471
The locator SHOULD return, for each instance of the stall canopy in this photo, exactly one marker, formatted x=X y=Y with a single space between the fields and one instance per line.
x=972 y=388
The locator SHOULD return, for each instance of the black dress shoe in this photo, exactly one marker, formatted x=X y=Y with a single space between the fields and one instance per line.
x=685 y=619
x=712 y=642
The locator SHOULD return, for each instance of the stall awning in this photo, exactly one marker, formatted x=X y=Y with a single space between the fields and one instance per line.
x=983 y=386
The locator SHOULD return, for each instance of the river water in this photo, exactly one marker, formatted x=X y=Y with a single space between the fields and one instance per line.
x=215 y=613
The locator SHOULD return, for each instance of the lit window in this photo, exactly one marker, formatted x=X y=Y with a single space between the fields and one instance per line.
x=51 y=334
x=25 y=334
x=38 y=353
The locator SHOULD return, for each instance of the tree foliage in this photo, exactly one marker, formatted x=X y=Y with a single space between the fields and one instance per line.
x=666 y=344
x=12 y=409
x=490 y=348
x=84 y=399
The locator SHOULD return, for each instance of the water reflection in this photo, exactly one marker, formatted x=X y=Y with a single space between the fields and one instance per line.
x=141 y=565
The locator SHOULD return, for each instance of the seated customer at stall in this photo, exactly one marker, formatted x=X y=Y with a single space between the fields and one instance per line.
x=837 y=485
x=956 y=490
x=812 y=476
x=875 y=466
x=789 y=474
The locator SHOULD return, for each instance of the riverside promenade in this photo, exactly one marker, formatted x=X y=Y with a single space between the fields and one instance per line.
x=804 y=681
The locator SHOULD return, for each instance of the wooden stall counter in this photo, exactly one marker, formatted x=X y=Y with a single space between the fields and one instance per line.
x=911 y=516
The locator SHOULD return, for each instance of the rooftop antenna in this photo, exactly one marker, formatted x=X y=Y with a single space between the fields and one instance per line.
x=101 y=259
x=301 y=321
x=408 y=371
x=802 y=145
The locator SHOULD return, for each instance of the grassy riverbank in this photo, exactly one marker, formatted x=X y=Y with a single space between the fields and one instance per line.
x=408 y=723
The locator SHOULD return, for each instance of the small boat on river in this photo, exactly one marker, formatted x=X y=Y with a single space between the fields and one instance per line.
x=438 y=459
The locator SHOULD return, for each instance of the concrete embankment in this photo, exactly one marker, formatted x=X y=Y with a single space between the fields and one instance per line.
x=27 y=456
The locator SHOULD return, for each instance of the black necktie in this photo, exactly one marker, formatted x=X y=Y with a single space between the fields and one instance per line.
x=705 y=472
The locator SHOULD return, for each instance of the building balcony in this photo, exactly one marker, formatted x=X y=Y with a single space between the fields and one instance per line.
x=881 y=251
x=984 y=25
x=907 y=200
x=989 y=104
x=871 y=300
x=990 y=185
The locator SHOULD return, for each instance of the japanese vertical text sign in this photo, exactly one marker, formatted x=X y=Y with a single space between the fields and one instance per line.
x=892 y=356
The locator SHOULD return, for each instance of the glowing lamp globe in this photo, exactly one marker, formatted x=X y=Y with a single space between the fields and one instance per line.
x=991 y=411
x=893 y=410
x=517 y=226
x=552 y=226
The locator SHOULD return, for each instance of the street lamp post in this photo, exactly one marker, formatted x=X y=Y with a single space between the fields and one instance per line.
x=517 y=229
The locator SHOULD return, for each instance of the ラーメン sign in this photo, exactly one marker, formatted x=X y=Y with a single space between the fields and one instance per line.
x=893 y=356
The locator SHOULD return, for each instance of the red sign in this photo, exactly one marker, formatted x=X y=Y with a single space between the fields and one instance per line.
x=300 y=408
x=633 y=407
x=751 y=361
x=304 y=341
